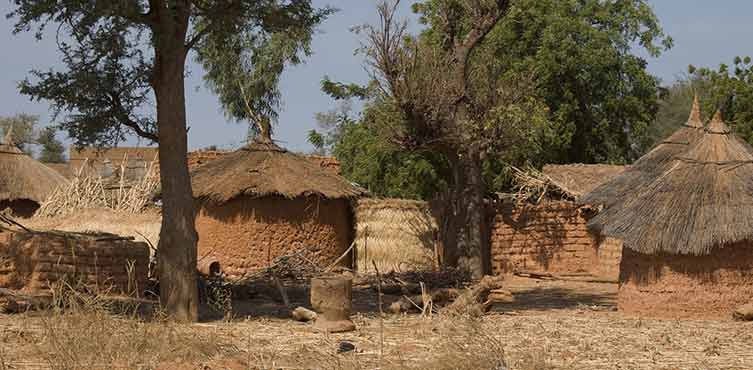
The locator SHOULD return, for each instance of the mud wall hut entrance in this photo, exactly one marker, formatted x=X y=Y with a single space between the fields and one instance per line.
x=248 y=234
x=262 y=202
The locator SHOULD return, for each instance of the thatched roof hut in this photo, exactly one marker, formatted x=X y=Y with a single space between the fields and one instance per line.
x=688 y=231
x=24 y=182
x=650 y=164
x=702 y=197
x=262 y=202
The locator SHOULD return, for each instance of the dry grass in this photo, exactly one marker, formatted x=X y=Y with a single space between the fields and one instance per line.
x=143 y=226
x=394 y=234
x=86 y=191
x=576 y=337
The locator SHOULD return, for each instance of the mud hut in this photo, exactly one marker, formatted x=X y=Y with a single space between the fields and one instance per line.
x=547 y=232
x=687 y=231
x=24 y=182
x=262 y=202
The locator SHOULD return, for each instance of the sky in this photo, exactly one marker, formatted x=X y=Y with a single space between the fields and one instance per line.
x=706 y=33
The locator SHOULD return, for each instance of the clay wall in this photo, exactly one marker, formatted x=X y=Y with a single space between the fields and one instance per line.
x=549 y=237
x=677 y=286
x=247 y=234
x=36 y=260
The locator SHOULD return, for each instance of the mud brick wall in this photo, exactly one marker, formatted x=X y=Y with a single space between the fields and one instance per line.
x=550 y=237
x=35 y=261
x=682 y=286
x=247 y=234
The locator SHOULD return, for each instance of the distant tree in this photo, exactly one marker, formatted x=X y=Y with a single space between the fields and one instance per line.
x=53 y=150
x=23 y=130
x=455 y=101
x=600 y=96
x=122 y=57
x=729 y=88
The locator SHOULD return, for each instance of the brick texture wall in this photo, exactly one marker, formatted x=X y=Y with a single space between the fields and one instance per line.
x=35 y=261
x=550 y=237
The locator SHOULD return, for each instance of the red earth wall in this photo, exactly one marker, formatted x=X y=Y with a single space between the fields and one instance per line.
x=247 y=234
x=549 y=237
x=681 y=286
x=36 y=260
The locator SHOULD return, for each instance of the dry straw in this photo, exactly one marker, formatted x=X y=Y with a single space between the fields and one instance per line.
x=262 y=169
x=650 y=165
x=700 y=198
x=395 y=234
x=87 y=191
x=21 y=177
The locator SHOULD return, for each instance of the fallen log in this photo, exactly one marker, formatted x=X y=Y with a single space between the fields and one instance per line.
x=475 y=300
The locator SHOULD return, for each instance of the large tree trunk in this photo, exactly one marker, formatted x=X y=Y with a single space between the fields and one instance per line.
x=463 y=224
x=177 y=246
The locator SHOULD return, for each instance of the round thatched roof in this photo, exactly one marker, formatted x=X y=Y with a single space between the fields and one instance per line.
x=650 y=164
x=701 y=199
x=21 y=177
x=262 y=169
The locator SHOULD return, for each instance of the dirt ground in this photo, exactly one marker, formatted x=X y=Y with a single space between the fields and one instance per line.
x=552 y=325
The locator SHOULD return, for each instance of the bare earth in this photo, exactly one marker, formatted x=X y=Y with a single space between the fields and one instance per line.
x=553 y=325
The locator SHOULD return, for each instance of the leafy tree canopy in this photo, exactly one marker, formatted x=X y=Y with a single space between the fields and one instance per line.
x=600 y=100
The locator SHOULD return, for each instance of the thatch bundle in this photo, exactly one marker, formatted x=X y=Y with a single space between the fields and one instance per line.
x=262 y=169
x=23 y=178
x=702 y=197
x=650 y=165
x=396 y=234
x=87 y=190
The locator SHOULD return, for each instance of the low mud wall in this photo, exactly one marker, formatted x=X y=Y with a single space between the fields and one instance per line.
x=677 y=286
x=550 y=237
x=37 y=260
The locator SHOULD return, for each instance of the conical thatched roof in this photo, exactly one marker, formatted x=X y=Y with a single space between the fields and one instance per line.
x=650 y=164
x=261 y=169
x=21 y=177
x=701 y=199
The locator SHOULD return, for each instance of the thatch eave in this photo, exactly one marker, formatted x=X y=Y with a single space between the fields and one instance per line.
x=264 y=169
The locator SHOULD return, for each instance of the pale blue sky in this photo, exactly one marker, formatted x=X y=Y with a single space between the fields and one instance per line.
x=706 y=33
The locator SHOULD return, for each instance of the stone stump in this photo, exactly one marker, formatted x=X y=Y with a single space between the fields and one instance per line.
x=331 y=298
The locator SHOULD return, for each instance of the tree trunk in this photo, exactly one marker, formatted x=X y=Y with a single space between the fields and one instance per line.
x=177 y=246
x=463 y=224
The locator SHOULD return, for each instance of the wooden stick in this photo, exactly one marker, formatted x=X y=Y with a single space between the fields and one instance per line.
x=381 y=312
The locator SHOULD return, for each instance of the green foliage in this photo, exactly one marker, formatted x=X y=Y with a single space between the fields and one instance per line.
x=110 y=51
x=598 y=91
x=22 y=127
x=730 y=89
x=600 y=97
x=368 y=158
x=53 y=150
x=244 y=67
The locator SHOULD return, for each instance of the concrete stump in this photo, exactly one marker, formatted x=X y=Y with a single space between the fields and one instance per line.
x=331 y=298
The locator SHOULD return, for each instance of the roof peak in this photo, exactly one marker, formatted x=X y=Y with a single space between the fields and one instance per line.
x=694 y=120
x=717 y=125
x=8 y=140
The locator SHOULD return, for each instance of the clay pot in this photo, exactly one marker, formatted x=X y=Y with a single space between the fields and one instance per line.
x=331 y=298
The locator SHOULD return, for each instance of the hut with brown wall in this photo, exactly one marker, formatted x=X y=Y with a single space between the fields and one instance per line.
x=687 y=229
x=551 y=235
x=24 y=182
x=262 y=202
